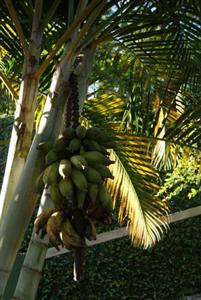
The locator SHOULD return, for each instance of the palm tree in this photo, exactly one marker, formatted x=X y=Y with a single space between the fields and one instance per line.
x=163 y=35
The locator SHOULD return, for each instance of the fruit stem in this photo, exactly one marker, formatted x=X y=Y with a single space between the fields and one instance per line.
x=78 y=263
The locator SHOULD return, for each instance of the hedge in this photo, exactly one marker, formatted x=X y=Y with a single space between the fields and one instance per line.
x=116 y=270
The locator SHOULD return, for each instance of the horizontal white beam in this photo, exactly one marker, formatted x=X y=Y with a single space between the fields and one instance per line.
x=184 y=214
x=121 y=232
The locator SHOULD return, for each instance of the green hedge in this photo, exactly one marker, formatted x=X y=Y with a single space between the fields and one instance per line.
x=116 y=270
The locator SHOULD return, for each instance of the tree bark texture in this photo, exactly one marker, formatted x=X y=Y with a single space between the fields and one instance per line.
x=21 y=135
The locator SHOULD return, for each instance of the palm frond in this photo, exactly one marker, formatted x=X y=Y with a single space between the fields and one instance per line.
x=136 y=181
x=137 y=200
x=9 y=87
x=176 y=125
x=180 y=132
x=107 y=106
x=164 y=36
x=166 y=42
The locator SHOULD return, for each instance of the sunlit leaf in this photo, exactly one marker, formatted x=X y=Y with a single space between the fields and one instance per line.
x=142 y=208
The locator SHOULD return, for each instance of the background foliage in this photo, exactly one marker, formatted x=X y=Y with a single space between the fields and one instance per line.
x=114 y=270
x=6 y=122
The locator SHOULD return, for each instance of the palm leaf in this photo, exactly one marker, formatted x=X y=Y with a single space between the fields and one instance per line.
x=8 y=86
x=177 y=130
x=175 y=125
x=136 y=180
x=164 y=43
x=142 y=208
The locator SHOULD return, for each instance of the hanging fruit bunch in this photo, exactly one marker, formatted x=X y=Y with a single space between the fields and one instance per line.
x=76 y=170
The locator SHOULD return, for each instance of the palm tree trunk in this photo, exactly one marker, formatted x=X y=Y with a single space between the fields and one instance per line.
x=31 y=269
x=18 y=215
x=33 y=264
x=24 y=115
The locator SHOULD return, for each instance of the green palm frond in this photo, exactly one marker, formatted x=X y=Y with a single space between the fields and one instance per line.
x=178 y=129
x=8 y=86
x=165 y=36
x=138 y=154
x=168 y=110
x=186 y=128
x=143 y=87
x=136 y=181
x=137 y=198
x=55 y=18
x=166 y=40
x=108 y=106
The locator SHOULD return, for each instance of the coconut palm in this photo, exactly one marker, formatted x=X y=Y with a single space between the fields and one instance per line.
x=54 y=37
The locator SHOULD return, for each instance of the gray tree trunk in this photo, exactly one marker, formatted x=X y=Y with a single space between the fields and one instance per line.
x=37 y=248
x=14 y=225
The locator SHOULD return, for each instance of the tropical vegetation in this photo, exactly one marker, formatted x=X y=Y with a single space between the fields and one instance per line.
x=140 y=63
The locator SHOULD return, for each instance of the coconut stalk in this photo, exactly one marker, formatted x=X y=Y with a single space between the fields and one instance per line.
x=83 y=77
x=32 y=267
x=21 y=135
